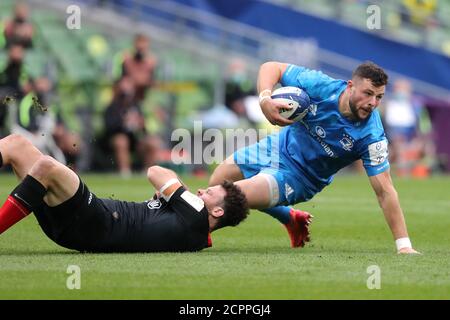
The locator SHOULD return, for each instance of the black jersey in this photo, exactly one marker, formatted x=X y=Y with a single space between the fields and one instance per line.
x=156 y=225
x=88 y=223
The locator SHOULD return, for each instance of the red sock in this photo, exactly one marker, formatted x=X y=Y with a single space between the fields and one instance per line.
x=11 y=212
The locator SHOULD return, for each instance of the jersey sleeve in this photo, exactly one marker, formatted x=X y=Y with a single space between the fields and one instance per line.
x=318 y=85
x=375 y=157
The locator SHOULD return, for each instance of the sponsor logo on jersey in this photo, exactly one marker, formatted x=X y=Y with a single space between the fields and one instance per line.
x=347 y=142
x=378 y=146
x=378 y=152
x=288 y=190
x=20 y=198
x=154 y=204
x=321 y=132
x=316 y=135
x=327 y=148
x=90 y=198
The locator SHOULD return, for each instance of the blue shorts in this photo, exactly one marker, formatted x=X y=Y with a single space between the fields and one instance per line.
x=287 y=184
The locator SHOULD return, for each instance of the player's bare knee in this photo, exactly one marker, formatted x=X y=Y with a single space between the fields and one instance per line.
x=14 y=147
x=43 y=168
x=18 y=142
x=227 y=170
x=229 y=160
x=14 y=138
x=215 y=178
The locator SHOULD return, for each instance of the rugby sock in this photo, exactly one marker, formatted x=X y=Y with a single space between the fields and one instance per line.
x=281 y=213
x=27 y=195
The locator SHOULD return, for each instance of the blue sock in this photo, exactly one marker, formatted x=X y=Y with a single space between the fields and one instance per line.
x=281 y=213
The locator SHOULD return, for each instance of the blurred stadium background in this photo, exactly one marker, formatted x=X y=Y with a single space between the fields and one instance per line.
x=203 y=61
x=207 y=55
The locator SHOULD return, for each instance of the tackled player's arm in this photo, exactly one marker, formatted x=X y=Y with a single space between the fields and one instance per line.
x=165 y=181
x=390 y=204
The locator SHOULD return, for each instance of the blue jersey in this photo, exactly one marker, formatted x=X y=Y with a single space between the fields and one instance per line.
x=325 y=141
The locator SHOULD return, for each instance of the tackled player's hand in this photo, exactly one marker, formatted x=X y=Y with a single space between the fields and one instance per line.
x=408 y=251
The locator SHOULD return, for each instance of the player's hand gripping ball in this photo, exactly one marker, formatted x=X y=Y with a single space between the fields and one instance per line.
x=295 y=97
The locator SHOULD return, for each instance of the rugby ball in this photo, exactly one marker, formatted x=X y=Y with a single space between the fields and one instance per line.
x=295 y=97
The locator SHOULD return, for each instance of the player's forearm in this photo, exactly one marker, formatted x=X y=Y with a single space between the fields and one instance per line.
x=393 y=214
x=269 y=75
x=158 y=176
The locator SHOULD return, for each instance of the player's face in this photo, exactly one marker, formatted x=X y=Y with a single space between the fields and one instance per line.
x=212 y=197
x=142 y=45
x=364 y=98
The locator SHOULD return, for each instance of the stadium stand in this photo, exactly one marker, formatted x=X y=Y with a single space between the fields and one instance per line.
x=193 y=45
x=415 y=22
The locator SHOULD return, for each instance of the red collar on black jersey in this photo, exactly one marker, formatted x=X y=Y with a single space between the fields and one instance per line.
x=209 y=240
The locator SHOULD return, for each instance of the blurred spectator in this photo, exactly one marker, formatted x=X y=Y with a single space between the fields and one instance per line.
x=11 y=79
x=69 y=142
x=139 y=65
x=237 y=88
x=126 y=131
x=401 y=115
x=19 y=30
x=13 y=75
x=418 y=12
x=35 y=120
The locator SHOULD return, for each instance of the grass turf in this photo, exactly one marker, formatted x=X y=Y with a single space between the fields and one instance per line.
x=253 y=260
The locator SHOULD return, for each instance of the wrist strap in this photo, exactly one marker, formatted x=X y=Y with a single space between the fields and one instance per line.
x=167 y=185
x=265 y=94
x=403 y=243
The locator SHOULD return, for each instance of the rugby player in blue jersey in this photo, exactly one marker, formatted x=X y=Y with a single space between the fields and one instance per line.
x=342 y=126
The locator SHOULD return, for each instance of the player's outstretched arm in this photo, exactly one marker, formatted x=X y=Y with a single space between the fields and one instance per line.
x=390 y=204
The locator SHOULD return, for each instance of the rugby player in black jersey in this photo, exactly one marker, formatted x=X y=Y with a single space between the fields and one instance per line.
x=73 y=217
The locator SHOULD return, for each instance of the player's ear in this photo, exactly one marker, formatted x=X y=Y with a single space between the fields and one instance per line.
x=217 y=212
x=350 y=84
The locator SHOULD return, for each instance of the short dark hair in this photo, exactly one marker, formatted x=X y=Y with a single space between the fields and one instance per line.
x=235 y=206
x=141 y=36
x=370 y=70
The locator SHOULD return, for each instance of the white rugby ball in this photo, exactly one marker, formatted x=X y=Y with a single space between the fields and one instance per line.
x=295 y=97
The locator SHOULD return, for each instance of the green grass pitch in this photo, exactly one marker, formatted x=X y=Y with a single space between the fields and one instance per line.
x=254 y=260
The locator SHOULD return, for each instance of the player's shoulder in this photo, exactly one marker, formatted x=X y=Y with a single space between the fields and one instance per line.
x=374 y=123
x=372 y=129
x=319 y=86
x=293 y=70
x=187 y=200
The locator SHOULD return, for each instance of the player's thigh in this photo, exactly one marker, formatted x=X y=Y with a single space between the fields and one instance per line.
x=227 y=170
x=257 y=190
x=287 y=187
x=63 y=183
